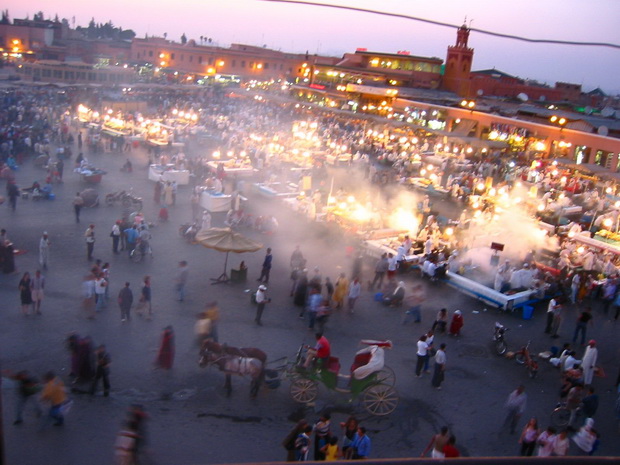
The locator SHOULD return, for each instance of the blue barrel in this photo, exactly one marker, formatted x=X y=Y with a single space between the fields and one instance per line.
x=528 y=310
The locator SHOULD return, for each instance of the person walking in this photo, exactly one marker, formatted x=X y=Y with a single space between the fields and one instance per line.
x=44 y=250
x=12 y=191
x=302 y=444
x=342 y=287
x=102 y=371
x=261 y=301
x=115 y=234
x=27 y=388
x=361 y=445
x=381 y=268
x=90 y=241
x=515 y=405
x=589 y=362
x=54 y=395
x=355 y=289
x=414 y=302
x=125 y=300
x=78 y=203
x=131 y=238
x=145 y=298
x=289 y=441
x=37 y=285
x=440 y=367
x=422 y=353
x=553 y=303
x=266 y=268
x=25 y=293
x=100 y=288
x=583 y=320
x=528 y=438
x=322 y=433
x=181 y=280
x=165 y=355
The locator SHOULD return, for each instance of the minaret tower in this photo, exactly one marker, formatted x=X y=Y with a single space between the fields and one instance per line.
x=456 y=76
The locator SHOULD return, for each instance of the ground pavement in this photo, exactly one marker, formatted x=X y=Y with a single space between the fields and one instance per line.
x=192 y=421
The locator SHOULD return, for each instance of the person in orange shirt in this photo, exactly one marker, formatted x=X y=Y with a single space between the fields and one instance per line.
x=54 y=394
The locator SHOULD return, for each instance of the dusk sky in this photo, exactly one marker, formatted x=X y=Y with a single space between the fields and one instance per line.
x=300 y=28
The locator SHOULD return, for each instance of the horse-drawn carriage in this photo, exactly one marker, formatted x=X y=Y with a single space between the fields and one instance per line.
x=369 y=380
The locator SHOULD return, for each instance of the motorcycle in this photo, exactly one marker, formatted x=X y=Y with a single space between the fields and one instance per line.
x=498 y=338
x=188 y=231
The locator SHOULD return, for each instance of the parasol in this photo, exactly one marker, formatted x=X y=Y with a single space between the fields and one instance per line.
x=226 y=240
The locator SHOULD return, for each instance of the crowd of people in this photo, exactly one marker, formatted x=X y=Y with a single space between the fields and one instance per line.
x=33 y=123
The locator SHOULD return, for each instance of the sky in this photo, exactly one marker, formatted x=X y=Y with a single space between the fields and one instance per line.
x=301 y=28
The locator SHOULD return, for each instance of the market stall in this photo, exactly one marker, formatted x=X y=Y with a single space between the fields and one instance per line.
x=486 y=294
x=168 y=173
x=276 y=189
x=235 y=167
x=215 y=202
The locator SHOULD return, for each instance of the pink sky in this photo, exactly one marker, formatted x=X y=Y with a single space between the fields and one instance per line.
x=299 y=28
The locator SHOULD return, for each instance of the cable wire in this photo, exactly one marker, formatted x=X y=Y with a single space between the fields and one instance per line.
x=453 y=26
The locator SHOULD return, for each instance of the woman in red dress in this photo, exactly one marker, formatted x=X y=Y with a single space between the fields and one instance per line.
x=165 y=356
x=456 y=324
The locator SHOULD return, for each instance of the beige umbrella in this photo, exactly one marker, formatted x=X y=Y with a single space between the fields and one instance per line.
x=226 y=240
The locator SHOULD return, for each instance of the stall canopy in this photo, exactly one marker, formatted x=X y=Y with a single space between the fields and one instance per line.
x=226 y=240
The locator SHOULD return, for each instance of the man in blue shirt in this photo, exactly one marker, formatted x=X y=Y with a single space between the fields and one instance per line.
x=264 y=274
x=361 y=444
x=131 y=238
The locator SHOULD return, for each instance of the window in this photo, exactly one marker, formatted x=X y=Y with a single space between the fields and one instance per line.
x=191 y=58
x=199 y=59
x=57 y=73
x=243 y=63
x=266 y=65
x=210 y=60
x=150 y=53
x=251 y=65
x=172 y=56
x=234 y=63
x=92 y=76
x=46 y=73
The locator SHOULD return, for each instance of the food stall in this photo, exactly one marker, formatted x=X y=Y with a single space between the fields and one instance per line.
x=276 y=189
x=168 y=173
x=486 y=294
x=215 y=202
x=240 y=167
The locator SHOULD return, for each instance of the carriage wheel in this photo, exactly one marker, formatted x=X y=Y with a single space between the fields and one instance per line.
x=386 y=376
x=380 y=399
x=304 y=390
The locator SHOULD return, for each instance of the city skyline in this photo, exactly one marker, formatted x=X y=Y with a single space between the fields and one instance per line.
x=327 y=31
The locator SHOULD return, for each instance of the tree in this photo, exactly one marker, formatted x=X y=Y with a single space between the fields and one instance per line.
x=5 y=17
x=183 y=39
x=38 y=16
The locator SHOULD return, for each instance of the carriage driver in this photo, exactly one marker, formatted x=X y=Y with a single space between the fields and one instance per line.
x=321 y=350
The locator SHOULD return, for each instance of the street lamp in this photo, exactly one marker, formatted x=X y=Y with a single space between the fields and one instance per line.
x=470 y=104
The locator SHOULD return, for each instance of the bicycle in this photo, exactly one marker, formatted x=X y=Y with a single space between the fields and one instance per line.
x=523 y=357
x=138 y=253
x=560 y=417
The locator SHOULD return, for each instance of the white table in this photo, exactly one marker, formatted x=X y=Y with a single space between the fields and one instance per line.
x=241 y=171
x=215 y=202
x=163 y=173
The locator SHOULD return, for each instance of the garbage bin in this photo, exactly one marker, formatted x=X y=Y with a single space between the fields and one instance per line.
x=528 y=310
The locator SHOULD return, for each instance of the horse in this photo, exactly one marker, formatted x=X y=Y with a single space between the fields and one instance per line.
x=235 y=361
